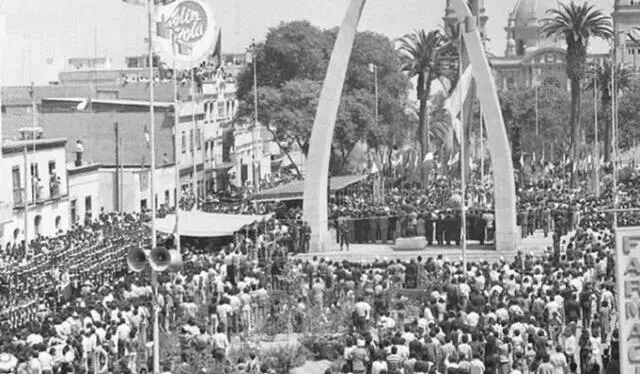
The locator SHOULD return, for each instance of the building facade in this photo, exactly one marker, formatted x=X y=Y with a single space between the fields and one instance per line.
x=36 y=189
x=529 y=59
x=627 y=16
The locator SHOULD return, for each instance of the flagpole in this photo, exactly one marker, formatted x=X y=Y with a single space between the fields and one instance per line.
x=595 y=130
x=152 y=189
x=194 y=177
x=176 y=144
x=463 y=186
x=256 y=181
x=482 y=152
x=614 y=121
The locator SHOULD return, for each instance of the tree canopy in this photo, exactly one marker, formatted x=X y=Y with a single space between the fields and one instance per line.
x=291 y=65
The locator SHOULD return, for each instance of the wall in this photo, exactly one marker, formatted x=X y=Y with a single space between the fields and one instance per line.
x=135 y=188
x=83 y=185
x=53 y=209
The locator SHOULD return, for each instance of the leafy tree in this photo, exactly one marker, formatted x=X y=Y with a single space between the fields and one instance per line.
x=287 y=100
x=421 y=50
x=601 y=79
x=577 y=24
x=292 y=50
x=629 y=116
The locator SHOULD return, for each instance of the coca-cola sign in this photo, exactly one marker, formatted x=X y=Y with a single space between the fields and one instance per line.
x=186 y=33
x=188 y=22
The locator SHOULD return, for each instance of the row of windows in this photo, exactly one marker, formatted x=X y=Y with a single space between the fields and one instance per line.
x=225 y=109
x=184 y=141
x=633 y=51
x=88 y=209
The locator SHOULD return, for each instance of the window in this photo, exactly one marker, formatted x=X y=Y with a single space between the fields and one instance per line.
x=58 y=222
x=221 y=113
x=52 y=167
x=198 y=139
x=74 y=219
x=184 y=142
x=36 y=225
x=87 y=207
x=175 y=197
x=166 y=197
x=35 y=179
x=17 y=185
x=143 y=205
x=191 y=140
x=155 y=201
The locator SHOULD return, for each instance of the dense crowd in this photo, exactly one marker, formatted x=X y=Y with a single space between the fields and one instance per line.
x=69 y=303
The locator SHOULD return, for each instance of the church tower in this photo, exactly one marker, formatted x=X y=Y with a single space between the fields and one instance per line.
x=477 y=9
x=626 y=18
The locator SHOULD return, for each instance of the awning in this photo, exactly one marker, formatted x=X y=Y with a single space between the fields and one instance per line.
x=207 y=225
x=294 y=190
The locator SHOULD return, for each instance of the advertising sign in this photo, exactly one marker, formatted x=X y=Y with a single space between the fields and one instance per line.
x=186 y=31
x=628 y=285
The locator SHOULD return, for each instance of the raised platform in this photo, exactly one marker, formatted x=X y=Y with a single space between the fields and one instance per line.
x=535 y=244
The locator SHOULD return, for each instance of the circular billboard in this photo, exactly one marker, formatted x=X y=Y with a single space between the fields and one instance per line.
x=185 y=31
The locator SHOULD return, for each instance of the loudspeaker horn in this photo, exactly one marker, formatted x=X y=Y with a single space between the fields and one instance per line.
x=176 y=263
x=136 y=259
x=160 y=259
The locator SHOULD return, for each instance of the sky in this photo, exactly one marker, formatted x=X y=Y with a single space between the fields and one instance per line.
x=42 y=34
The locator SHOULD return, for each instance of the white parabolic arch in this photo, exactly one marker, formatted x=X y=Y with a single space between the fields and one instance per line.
x=317 y=167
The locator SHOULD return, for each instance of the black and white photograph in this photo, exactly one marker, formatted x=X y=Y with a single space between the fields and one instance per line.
x=320 y=187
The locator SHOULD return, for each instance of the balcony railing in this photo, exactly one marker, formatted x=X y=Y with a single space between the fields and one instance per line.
x=18 y=197
x=54 y=190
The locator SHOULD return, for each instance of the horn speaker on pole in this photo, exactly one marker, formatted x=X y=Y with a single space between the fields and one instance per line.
x=136 y=259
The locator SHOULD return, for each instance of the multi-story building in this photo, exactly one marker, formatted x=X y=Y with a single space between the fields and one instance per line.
x=530 y=59
x=36 y=188
x=627 y=25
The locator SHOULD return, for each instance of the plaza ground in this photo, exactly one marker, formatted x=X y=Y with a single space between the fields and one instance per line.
x=535 y=244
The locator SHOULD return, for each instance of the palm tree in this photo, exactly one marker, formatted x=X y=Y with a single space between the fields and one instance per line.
x=421 y=50
x=577 y=24
x=601 y=78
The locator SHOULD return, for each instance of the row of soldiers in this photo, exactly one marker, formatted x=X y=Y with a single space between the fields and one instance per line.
x=438 y=226
x=547 y=217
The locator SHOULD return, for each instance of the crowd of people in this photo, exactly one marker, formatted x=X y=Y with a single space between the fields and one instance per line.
x=70 y=303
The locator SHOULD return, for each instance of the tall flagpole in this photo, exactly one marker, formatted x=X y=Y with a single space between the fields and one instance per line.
x=194 y=178
x=152 y=190
x=482 y=153
x=614 y=102
x=596 y=151
x=256 y=179
x=176 y=144
x=463 y=160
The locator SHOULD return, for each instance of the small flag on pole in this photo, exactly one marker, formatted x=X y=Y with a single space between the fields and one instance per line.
x=135 y=2
x=428 y=157
x=147 y=137
x=372 y=68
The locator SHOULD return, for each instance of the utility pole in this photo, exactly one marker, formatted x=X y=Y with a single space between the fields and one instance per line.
x=152 y=190
x=118 y=207
x=256 y=178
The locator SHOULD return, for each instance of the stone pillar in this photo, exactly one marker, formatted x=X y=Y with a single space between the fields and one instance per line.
x=316 y=177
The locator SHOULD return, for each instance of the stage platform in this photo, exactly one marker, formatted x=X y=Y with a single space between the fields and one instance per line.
x=535 y=244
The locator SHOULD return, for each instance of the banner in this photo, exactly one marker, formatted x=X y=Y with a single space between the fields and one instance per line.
x=628 y=287
x=186 y=31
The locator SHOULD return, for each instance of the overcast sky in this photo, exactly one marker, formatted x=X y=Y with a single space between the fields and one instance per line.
x=41 y=30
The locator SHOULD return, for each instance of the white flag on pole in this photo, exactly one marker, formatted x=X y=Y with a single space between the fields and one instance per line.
x=136 y=2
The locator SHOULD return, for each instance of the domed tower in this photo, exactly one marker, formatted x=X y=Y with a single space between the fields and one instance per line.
x=510 y=51
x=525 y=23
